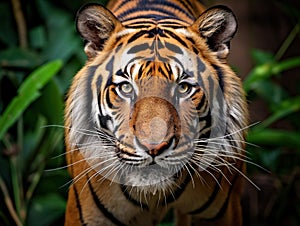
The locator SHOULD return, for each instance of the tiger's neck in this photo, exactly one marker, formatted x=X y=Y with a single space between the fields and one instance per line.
x=181 y=12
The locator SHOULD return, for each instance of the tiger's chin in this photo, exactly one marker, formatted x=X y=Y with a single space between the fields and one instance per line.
x=150 y=185
x=151 y=179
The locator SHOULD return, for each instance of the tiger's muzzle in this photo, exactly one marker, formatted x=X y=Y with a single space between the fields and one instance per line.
x=156 y=124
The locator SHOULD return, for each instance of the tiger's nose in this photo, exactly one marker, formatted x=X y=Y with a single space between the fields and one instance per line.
x=155 y=124
x=156 y=136
x=155 y=149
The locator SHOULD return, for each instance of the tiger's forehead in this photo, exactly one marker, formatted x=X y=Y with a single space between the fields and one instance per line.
x=150 y=52
x=148 y=69
x=168 y=70
x=159 y=46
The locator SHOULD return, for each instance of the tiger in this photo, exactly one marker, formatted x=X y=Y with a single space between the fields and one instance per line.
x=156 y=119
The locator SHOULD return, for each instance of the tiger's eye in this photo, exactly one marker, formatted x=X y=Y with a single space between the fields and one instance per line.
x=126 y=88
x=183 y=88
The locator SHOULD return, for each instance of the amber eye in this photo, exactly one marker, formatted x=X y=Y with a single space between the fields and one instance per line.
x=183 y=88
x=126 y=88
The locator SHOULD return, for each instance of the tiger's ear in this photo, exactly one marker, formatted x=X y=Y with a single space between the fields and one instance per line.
x=95 y=24
x=217 y=25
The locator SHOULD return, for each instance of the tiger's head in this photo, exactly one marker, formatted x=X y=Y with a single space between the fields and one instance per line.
x=155 y=100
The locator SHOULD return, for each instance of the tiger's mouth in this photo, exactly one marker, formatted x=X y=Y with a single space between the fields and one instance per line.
x=152 y=174
x=140 y=156
x=167 y=162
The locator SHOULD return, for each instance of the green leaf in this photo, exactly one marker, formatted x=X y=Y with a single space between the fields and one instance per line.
x=45 y=210
x=27 y=93
x=270 y=91
x=268 y=69
x=19 y=58
x=37 y=37
x=275 y=138
x=61 y=35
x=282 y=110
x=286 y=65
x=261 y=57
x=50 y=104
x=259 y=73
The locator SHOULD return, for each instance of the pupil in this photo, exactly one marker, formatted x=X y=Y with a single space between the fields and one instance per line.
x=126 y=88
x=183 y=88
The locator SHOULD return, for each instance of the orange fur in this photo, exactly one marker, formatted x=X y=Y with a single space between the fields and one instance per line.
x=146 y=136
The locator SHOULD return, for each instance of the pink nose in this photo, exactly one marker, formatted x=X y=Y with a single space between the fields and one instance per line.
x=155 y=149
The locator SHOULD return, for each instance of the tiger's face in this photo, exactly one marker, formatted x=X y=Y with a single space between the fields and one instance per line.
x=152 y=104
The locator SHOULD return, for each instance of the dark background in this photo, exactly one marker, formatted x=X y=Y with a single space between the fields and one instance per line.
x=265 y=53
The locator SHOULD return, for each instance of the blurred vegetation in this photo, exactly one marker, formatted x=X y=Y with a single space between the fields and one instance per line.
x=274 y=143
x=38 y=59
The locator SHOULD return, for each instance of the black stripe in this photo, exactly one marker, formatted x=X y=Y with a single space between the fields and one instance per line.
x=173 y=48
x=211 y=91
x=187 y=5
x=181 y=188
x=78 y=206
x=210 y=199
x=103 y=121
x=223 y=209
x=200 y=65
x=102 y=118
x=89 y=94
x=191 y=40
x=169 y=70
x=156 y=31
x=142 y=13
x=132 y=200
x=179 y=39
x=205 y=134
x=99 y=83
x=141 y=70
x=157 y=8
x=185 y=10
x=77 y=196
x=138 y=48
x=110 y=69
x=140 y=25
x=107 y=98
x=137 y=35
x=220 y=76
x=173 y=6
x=171 y=24
x=219 y=97
x=121 y=73
x=102 y=208
x=121 y=5
x=202 y=102
x=153 y=17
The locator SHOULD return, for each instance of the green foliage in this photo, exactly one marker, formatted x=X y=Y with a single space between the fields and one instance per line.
x=277 y=138
x=33 y=82
x=27 y=93
x=262 y=83
x=34 y=76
